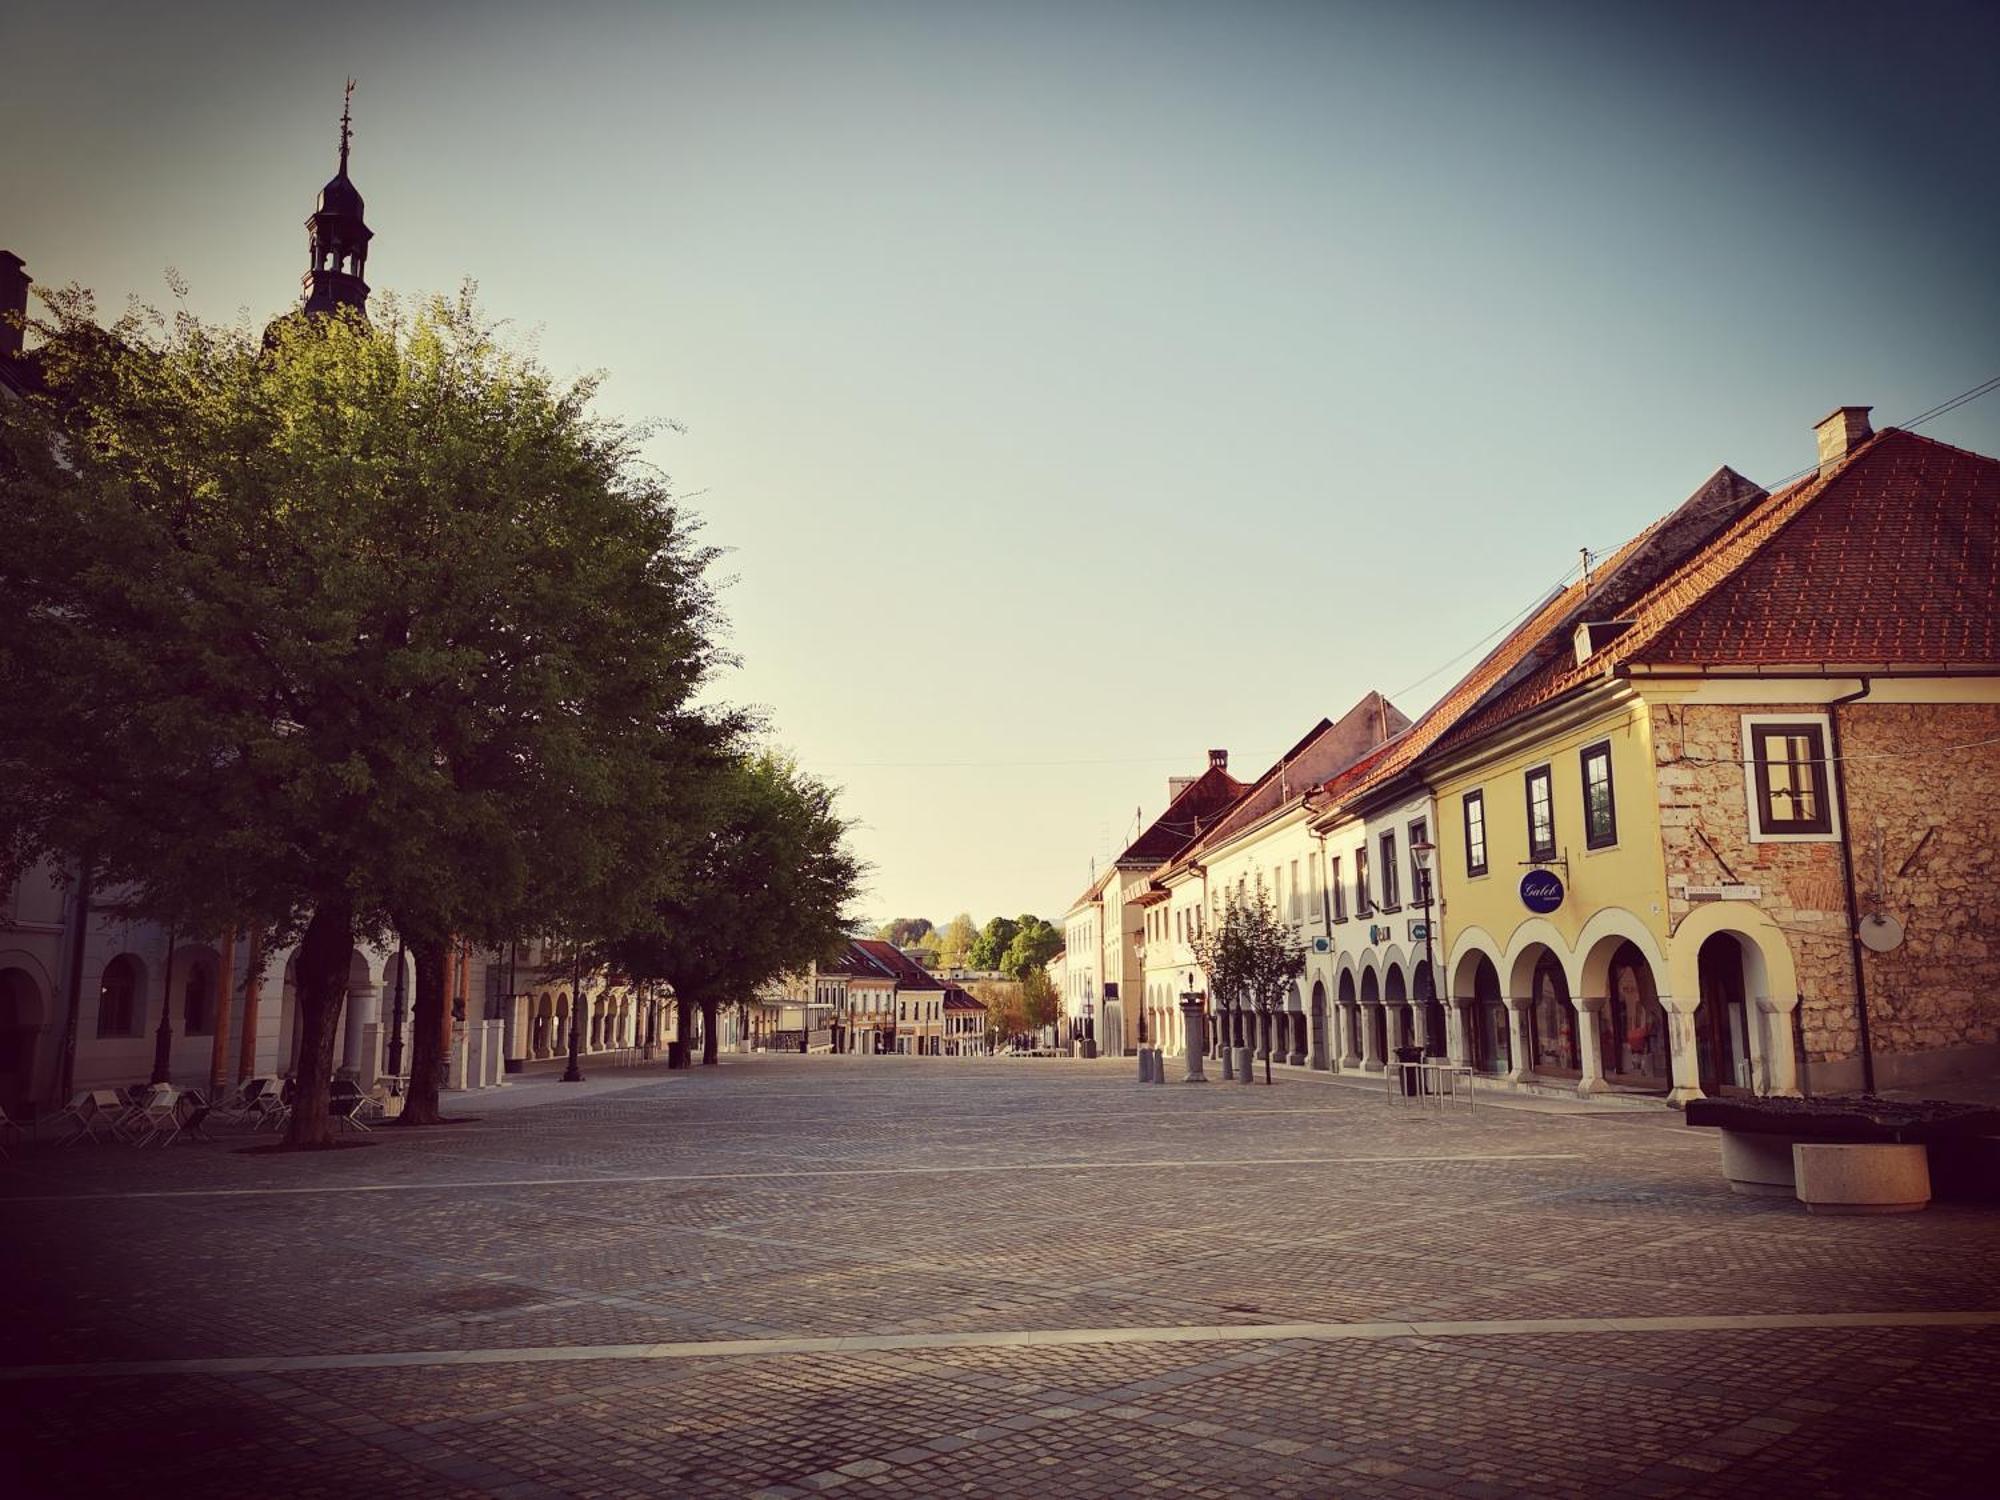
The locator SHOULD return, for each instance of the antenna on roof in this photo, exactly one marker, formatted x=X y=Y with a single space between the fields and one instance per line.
x=1586 y=565
x=346 y=124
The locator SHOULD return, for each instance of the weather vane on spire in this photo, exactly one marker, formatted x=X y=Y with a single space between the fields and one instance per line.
x=346 y=128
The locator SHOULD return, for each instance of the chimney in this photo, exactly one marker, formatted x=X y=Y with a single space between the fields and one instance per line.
x=1218 y=760
x=1176 y=785
x=14 y=281
x=1841 y=433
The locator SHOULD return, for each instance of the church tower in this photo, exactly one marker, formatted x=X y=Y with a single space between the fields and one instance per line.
x=338 y=237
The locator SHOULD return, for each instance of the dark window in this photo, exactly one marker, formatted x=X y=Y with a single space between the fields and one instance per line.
x=1420 y=880
x=198 y=1001
x=1361 y=907
x=1600 y=809
x=1339 y=891
x=1790 y=765
x=1541 y=814
x=1390 y=894
x=1475 y=833
x=118 y=998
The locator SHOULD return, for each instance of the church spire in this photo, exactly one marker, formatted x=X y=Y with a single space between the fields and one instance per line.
x=337 y=235
x=346 y=124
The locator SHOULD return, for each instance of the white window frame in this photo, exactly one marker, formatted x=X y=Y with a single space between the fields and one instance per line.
x=1755 y=812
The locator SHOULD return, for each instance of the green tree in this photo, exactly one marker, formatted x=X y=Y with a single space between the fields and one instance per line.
x=1006 y=1015
x=991 y=945
x=1250 y=957
x=766 y=889
x=954 y=941
x=1034 y=943
x=1040 y=1003
x=349 y=627
x=905 y=932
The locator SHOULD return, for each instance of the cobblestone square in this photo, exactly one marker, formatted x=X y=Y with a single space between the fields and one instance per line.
x=937 y=1277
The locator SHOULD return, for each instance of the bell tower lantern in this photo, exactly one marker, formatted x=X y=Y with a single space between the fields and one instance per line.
x=338 y=237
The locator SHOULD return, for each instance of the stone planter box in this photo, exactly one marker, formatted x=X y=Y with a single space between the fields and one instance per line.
x=1961 y=1142
x=1844 y=1178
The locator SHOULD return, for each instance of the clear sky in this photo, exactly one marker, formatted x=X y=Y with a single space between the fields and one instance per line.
x=1081 y=386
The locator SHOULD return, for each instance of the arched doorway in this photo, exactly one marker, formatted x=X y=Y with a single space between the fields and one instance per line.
x=22 y=1016
x=1401 y=1020
x=1492 y=1037
x=1319 y=1038
x=1552 y=1041
x=1722 y=1020
x=1634 y=1025
x=1435 y=1033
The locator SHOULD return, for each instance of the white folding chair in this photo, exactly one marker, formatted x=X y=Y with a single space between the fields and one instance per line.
x=158 y=1117
x=80 y=1115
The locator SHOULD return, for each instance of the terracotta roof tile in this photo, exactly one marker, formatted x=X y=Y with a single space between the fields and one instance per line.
x=1892 y=557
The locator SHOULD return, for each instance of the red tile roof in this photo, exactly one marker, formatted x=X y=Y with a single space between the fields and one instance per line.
x=1892 y=557
x=906 y=971
x=1328 y=748
x=1197 y=807
x=855 y=963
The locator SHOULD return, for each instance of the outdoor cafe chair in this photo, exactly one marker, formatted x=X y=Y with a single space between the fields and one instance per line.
x=275 y=1106
x=237 y=1105
x=344 y=1104
x=157 y=1117
x=81 y=1116
x=191 y=1109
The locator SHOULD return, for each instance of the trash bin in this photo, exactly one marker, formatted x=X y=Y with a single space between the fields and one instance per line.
x=1413 y=1081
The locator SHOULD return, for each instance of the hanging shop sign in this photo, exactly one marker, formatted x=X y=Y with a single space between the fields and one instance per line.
x=1541 y=891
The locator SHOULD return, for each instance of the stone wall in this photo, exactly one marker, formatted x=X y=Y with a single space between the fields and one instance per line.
x=1941 y=988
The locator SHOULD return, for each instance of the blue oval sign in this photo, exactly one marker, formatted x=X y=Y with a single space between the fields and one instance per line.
x=1541 y=891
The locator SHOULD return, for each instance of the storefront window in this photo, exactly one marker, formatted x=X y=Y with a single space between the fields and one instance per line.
x=1553 y=1021
x=1635 y=1024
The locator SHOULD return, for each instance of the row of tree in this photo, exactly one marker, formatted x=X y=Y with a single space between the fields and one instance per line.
x=354 y=629
x=1012 y=945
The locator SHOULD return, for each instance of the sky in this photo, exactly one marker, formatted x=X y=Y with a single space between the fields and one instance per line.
x=1079 y=387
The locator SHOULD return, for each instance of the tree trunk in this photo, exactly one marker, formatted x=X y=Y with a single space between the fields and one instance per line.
x=420 y=1105
x=708 y=1031
x=218 y=1047
x=323 y=958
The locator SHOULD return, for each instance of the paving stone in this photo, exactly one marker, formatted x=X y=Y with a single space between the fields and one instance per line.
x=793 y=1199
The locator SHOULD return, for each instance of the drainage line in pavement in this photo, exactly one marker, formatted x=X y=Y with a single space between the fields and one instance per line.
x=1258 y=1333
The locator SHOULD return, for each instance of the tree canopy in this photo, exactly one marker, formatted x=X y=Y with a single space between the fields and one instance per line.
x=1250 y=957
x=349 y=626
x=766 y=889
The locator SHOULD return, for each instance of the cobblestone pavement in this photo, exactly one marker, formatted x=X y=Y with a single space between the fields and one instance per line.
x=932 y=1277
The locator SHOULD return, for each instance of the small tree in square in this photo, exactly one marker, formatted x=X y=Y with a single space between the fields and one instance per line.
x=1250 y=956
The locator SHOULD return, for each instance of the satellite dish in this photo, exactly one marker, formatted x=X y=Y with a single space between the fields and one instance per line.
x=1880 y=932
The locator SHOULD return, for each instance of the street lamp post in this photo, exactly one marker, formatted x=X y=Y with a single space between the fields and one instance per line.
x=1423 y=852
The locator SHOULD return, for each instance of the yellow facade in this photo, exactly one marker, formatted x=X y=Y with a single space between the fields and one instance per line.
x=1574 y=993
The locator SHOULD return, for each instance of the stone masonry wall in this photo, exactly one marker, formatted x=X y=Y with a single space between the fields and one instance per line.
x=1705 y=829
x=1941 y=988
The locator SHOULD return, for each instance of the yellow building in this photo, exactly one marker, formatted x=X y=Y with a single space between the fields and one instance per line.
x=1717 y=829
